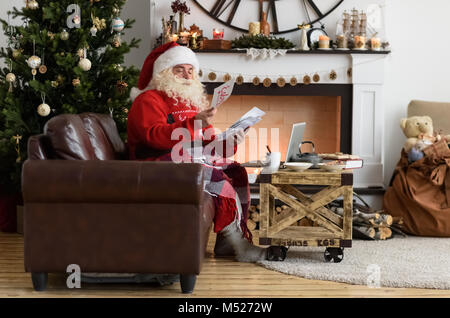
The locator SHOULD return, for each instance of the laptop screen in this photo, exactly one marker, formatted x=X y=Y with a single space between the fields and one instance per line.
x=295 y=141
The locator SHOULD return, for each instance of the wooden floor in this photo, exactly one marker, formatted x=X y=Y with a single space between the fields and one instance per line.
x=219 y=277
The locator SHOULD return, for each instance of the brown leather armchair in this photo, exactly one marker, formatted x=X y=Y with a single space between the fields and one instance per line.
x=85 y=204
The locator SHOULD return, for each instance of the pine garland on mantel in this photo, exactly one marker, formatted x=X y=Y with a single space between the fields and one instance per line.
x=261 y=41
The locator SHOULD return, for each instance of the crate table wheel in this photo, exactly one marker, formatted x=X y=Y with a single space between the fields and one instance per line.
x=276 y=253
x=335 y=254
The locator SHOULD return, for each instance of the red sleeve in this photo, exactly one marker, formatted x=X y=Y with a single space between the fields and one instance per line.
x=147 y=120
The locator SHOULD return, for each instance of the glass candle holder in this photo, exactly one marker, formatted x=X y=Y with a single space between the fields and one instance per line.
x=360 y=42
x=375 y=44
x=341 y=41
x=218 y=34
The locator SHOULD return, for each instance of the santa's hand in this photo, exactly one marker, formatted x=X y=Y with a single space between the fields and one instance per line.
x=206 y=116
x=239 y=136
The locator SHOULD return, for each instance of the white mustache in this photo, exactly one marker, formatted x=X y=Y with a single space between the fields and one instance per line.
x=183 y=81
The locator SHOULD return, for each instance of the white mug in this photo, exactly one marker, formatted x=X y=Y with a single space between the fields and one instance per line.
x=274 y=159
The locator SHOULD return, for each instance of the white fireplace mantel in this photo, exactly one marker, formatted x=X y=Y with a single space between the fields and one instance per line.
x=367 y=77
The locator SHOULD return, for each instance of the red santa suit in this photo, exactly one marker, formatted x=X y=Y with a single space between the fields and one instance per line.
x=151 y=121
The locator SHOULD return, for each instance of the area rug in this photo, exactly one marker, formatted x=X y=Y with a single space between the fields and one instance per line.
x=411 y=262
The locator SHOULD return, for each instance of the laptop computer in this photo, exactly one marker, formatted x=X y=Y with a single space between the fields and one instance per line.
x=294 y=142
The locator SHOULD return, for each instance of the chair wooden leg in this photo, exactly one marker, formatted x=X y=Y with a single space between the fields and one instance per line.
x=187 y=282
x=39 y=281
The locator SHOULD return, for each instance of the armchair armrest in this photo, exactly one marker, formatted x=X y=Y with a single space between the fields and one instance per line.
x=111 y=181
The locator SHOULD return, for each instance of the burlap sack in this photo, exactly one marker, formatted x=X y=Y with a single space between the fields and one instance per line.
x=420 y=192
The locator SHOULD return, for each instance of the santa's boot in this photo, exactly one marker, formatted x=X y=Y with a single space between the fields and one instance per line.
x=222 y=246
x=243 y=249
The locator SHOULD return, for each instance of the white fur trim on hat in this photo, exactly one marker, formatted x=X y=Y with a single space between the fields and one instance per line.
x=175 y=56
x=135 y=92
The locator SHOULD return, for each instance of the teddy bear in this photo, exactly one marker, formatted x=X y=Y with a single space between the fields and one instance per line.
x=419 y=131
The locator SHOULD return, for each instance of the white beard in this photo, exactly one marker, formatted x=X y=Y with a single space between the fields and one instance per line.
x=189 y=92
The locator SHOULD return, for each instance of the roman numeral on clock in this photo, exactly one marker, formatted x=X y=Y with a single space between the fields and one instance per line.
x=221 y=5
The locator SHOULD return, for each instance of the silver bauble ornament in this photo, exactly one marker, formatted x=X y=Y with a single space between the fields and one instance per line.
x=43 y=109
x=94 y=31
x=33 y=5
x=85 y=64
x=34 y=61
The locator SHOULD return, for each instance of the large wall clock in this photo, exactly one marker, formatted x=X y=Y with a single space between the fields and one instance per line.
x=283 y=15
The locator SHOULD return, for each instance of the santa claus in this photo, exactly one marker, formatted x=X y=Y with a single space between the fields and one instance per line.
x=171 y=97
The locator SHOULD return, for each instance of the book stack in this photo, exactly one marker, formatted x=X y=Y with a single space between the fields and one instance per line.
x=350 y=161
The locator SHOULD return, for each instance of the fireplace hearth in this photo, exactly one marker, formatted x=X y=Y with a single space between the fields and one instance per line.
x=358 y=95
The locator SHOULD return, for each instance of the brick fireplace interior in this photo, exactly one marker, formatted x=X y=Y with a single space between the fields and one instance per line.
x=326 y=109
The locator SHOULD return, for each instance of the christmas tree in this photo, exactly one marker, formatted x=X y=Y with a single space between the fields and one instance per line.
x=66 y=57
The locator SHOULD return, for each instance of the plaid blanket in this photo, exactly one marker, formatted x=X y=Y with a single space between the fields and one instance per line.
x=227 y=182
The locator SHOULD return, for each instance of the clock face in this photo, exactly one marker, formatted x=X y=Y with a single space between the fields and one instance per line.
x=282 y=15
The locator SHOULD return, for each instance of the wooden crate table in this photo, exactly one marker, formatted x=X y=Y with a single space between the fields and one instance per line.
x=334 y=232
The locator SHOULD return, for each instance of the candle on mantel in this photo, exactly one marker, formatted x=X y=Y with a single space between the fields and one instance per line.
x=375 y=44
x=184 y=37
x=174 y=37
x=218 y=34
x=194 y=40
x=324 y=42
x=254 y=28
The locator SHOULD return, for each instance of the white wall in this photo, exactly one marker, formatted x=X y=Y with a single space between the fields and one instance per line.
x=417 y=68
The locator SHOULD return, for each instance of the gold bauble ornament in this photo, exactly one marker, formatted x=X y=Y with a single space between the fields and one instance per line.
x=316 y=78
x=64 y=35
x=16 y=53
x=10 y=78
x=281 y=82
x=293 y=81
x=43 y=110
x=85 y=64
x=212 y=76
x=42 y=69
x=34 y=61
x=76 y=82
x=267 y=82
x=240 y=80
x=306 y=80
x=256 y=81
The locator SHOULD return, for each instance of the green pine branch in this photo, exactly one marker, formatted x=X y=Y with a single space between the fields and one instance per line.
x=98 y=89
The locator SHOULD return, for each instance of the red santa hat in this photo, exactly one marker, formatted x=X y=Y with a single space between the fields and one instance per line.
x=161 y=58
